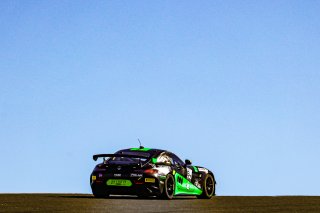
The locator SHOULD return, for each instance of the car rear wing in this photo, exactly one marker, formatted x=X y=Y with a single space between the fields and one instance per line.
x=95 y=157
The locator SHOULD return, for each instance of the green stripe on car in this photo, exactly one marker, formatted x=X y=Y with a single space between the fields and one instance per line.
x=184 y=187
x=138 y=149
x=195 y=169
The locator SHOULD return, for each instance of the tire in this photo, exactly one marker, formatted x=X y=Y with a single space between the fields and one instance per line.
x=99 y=194
x=168 y=190
x=97 y=191
x=208 y=187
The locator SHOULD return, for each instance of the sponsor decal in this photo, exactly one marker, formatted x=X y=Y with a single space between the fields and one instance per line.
x=119 y=168
x=118 y=182
x=149 y=180
x=93 y=178
x=135 y=175
x=100 y=175
x=117 y=175
x=189 y=174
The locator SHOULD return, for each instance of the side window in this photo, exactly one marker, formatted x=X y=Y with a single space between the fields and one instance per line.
x=176 y=160
x=164 y=158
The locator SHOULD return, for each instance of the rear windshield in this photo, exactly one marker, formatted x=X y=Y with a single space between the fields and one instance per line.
x=142 y=154
x=126 y=160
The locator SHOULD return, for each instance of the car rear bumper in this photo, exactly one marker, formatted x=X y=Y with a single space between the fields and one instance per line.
x=143 y=189
x=137 y=188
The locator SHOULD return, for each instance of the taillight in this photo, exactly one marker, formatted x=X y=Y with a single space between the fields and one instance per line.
x=138 y=182
x=151 y=171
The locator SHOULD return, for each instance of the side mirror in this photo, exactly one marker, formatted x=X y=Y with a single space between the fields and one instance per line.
x=188 y=162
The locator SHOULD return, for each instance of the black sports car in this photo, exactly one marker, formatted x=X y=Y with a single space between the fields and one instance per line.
x=149 y=172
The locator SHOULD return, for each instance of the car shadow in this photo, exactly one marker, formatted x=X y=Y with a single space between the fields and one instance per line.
x=120 y=197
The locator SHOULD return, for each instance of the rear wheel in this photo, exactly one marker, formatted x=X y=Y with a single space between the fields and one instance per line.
x=169 y=185
x=208 y=187
x=99 y=193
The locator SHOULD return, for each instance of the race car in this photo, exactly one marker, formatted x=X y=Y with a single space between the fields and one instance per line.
x=149 y=172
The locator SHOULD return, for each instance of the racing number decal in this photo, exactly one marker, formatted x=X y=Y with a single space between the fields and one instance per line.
x=182 y=184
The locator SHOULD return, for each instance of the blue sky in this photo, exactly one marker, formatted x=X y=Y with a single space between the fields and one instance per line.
x=231 y=85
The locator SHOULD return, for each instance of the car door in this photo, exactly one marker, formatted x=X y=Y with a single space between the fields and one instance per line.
x=178 y=165
x=180 y=175
x=184 y=177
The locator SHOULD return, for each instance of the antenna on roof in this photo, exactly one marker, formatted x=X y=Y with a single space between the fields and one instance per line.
x=140 y=147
